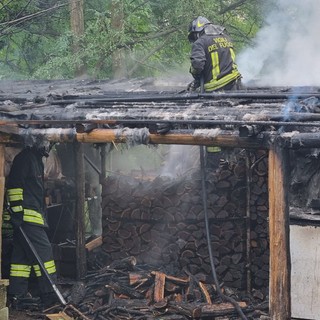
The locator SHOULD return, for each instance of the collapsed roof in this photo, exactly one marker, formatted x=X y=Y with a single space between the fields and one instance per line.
x=140 y=101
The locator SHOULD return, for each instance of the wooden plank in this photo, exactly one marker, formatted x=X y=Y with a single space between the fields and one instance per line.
x=205 y=292
x=280 y=263
x=81 y=263
x=58 y=316
x=4 y=282
x=95 y=243
x=178 y=280
x=159 y=283
x=223 y=308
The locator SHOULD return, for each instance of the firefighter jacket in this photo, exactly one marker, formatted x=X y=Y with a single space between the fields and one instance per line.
x=213 y=57
x=25 y=187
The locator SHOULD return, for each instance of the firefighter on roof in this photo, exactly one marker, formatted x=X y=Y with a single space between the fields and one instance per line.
x=212 y=57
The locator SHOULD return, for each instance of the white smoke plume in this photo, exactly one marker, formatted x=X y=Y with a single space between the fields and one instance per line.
x=287 y=49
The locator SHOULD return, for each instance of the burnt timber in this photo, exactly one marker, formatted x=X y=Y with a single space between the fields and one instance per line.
x=83 y=111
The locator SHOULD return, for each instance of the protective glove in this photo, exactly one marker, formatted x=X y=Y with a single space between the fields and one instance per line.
x=193 y=86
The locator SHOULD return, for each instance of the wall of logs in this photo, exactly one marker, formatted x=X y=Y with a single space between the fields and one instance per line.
x=161 y=223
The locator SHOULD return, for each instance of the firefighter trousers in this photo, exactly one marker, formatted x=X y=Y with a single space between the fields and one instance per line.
x=23 y=261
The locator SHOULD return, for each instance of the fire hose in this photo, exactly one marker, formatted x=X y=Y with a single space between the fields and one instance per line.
x=213 y=268
x=42 y=267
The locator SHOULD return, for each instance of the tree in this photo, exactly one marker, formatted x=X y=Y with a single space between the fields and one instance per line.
x=110 y=38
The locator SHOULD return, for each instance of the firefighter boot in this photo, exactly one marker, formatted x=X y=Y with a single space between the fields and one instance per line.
x=24 y=302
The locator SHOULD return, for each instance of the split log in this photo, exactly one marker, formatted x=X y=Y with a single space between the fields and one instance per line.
x=221 y=309
x=95 y=243
x=159 y=284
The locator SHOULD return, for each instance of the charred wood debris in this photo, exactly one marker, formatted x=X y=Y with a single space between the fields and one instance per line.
x=125 y=290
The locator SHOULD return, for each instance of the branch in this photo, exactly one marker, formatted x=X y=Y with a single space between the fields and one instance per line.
x=232 y=6
x=150 y=54
x=18 y=21
x=148 y=37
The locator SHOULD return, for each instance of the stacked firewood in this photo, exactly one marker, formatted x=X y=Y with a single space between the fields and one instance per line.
x=161 y=222
x=259 y=264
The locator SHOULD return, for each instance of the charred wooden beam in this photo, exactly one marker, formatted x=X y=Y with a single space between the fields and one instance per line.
x=297 y=140
x=280 y=263
x=88 y=101
x=312 y=120
x=206 y=137
x=197 y=137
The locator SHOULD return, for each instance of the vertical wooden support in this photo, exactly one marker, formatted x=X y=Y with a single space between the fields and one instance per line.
x=248 y=220
x=103 y=154
x=81 y=262
x=280 y=263
x=2 y=186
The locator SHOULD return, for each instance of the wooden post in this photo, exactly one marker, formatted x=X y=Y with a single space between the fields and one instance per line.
x=103 y=154
x=81 y=262
x=280 y=263
x=248 y=220
x=2 y=186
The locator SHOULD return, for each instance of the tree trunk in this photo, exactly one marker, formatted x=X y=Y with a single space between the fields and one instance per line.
x=118 y=57
x=77 y=28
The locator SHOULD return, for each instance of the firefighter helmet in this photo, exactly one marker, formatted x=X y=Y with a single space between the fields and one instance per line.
x=196 y=27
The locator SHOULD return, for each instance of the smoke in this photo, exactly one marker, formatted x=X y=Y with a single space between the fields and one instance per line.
x=180 y=161
x=285 y=50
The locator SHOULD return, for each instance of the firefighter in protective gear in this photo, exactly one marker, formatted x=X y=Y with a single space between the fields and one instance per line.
x=212 y=57
x=25 y=194
x=7 y=241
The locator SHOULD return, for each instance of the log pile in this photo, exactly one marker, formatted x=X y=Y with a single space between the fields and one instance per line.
x=161 y=221
x=259 y=207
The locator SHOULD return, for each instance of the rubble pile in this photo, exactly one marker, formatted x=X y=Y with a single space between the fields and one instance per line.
x=124 y=290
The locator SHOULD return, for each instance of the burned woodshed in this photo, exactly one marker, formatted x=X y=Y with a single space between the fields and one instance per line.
x=216 y=213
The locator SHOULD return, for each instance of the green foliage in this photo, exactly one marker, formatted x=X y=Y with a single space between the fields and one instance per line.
x=152 y=38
